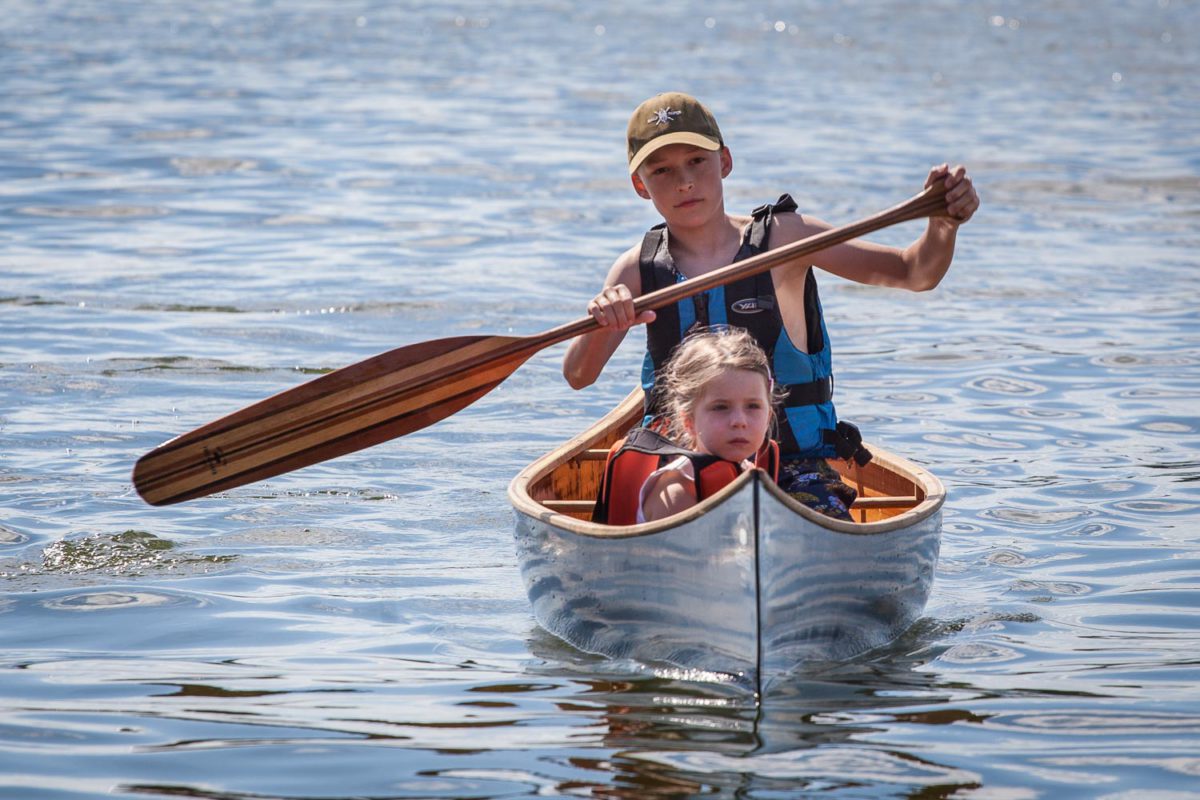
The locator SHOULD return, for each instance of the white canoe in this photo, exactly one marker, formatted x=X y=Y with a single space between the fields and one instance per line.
x=746 y=586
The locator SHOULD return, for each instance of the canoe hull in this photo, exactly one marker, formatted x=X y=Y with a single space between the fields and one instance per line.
x=678 y=597
x=828 y=595
x=747 y=592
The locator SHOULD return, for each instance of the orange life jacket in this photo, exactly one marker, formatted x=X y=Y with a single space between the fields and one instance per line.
x=631 y=461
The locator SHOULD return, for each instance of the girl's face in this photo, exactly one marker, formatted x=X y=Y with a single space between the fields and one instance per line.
x=731 y=416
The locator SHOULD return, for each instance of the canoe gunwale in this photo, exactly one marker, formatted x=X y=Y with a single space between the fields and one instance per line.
x=626 y=414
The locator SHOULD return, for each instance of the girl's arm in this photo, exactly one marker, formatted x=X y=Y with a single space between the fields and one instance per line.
x=671 y=493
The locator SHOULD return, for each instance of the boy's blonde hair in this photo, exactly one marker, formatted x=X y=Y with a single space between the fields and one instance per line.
x=699 y=359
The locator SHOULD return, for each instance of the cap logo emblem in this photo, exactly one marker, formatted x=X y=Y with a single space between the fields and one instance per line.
x=664 y=116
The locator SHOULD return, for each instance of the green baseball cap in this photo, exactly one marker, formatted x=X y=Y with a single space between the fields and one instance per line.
x=670 y=118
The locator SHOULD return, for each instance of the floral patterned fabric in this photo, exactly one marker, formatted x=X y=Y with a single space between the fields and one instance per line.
x=817 y=485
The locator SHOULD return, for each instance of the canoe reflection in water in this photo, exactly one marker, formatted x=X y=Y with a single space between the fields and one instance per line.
x=676 y=738
x=742 y=588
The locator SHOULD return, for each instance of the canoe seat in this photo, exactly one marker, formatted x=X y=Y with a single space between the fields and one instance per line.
x=880 y=507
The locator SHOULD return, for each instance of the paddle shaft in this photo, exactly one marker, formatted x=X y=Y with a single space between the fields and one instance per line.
x=929 y=203
x=409 y=388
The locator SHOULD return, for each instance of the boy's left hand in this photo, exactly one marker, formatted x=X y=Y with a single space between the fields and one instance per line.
x=961 y=198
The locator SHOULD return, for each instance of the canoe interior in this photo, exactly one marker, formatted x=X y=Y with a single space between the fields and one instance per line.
x=570 y=480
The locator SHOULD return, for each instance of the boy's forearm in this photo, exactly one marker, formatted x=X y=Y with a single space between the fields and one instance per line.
x=928 y=259
x=586 y=357
x=574 y=368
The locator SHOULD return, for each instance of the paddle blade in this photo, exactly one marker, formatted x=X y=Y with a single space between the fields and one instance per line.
x=364 y=404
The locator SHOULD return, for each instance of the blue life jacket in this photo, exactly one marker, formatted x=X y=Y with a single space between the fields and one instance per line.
x=809 y=426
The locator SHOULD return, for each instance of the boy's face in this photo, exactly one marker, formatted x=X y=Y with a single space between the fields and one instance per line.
x=683 y=178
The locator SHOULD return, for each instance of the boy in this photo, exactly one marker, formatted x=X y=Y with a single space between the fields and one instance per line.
x=678 y=160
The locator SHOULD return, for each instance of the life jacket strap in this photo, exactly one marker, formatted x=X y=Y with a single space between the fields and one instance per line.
x=812 y=393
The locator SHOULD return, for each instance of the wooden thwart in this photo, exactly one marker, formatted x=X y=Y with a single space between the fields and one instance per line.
x=885 y=502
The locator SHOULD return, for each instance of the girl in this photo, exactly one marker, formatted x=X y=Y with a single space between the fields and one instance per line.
x=717 y=393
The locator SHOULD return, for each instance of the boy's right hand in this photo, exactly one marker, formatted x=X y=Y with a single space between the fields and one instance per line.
x=613 y=308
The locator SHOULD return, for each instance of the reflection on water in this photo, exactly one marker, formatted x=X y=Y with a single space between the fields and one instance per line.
x=205 y=204
x=846 y=725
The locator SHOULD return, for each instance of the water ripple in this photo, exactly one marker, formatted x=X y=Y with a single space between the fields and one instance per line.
x=979 y=653
x=1067 y=588
x=973 y=440
x=907 y=398
x=1042 y=412
x=1028 y=517
x=9 y=537
x=1010 y=558
x=842 y=765
x=193 y=166
x=1157 y=507
x=109 y=600
x=1169 y=425
x=1006 y=385
x=1139 y=360
x=1092 y=529
x=1124 y=723
x=94 y=212
x=1098 y=489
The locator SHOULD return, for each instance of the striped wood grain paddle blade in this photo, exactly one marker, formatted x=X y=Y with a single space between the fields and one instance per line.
x=366 y=403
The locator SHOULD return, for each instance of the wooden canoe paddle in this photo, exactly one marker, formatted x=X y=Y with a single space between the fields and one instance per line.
x=409 y=388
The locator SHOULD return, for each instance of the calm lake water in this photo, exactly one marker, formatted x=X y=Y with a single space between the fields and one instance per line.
x=203 y=204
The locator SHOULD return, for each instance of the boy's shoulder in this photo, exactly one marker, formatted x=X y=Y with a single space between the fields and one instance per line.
x=791 y=226
x=625 y=268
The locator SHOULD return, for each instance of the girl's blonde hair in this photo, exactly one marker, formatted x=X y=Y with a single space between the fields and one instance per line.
x=698 y=360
